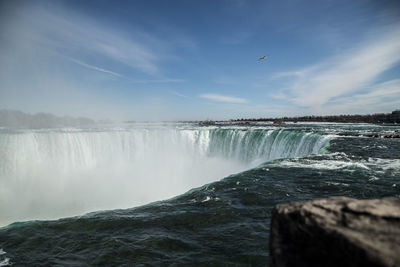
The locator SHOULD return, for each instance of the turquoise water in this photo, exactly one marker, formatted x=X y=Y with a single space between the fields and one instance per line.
x=218 y=221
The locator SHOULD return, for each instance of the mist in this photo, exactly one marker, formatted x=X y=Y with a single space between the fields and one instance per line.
x=60 y=172
x=19 y=119
x=47 y=174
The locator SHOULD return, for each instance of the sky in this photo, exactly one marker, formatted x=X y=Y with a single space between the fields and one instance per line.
x=197 y=60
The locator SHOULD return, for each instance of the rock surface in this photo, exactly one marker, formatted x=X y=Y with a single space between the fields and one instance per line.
x=337 y=231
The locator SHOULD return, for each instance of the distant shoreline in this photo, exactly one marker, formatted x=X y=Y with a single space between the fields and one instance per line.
x=378 y=118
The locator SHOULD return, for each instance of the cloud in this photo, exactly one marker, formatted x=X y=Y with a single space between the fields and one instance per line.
x=382 y=97
x=94 y=67
x=71 y=34
x=350 y=72
x=73 y=64
x=165 y=80
x=179 y=94
x=223 y=98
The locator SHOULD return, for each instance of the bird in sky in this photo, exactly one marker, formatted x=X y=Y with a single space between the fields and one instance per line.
x=262 y=58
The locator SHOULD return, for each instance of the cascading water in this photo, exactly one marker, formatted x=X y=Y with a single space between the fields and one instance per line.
x=56 y=173
x=258 y=146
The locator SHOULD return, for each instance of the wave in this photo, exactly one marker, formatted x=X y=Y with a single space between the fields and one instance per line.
x=58 y=173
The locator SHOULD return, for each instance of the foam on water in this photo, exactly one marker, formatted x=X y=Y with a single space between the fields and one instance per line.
x=4 y=261
x=385 y=164
x=322 y=164
x=208 y=198
x=375 y=167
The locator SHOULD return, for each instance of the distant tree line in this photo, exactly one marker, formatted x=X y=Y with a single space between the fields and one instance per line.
x=19 y=119
x=393 y=117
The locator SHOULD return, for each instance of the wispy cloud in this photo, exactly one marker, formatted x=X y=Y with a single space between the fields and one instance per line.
x=381 y=97
x=165 y=80
x=223 y=98
x=345 y=74
x=179 y=94
x=71 y=35
x=94 y=67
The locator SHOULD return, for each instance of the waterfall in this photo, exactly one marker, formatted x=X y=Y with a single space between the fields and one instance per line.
x=264 y=145
x=55 y=173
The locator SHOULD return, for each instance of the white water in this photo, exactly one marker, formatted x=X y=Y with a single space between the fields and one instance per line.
x=53 y=174
x=4 y=261
x=341 y=161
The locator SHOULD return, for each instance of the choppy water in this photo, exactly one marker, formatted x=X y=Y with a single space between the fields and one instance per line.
x=219 y=222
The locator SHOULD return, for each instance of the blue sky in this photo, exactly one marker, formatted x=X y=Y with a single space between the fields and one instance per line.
x=182 y=60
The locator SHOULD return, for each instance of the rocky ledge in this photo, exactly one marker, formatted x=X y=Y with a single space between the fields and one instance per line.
x=337 y=231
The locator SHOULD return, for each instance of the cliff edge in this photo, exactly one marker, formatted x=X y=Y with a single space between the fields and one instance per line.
x=337 y=231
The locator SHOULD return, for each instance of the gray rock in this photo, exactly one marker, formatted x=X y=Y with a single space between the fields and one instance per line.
x=337 y=231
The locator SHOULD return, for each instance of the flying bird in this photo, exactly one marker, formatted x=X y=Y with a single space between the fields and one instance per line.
x=262 y=58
